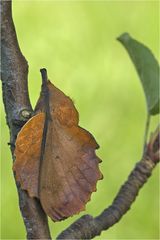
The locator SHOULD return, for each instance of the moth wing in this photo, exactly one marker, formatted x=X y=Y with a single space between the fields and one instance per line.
x=27 y=153
x=69 y=171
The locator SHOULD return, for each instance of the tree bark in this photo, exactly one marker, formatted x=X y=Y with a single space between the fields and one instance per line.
x=14 y=73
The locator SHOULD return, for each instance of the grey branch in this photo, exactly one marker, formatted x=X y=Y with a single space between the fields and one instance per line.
x=87 y=227
x=14 y=73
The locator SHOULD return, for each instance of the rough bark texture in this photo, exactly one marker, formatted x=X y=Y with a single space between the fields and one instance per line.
x=14 y=72
x=88 y=227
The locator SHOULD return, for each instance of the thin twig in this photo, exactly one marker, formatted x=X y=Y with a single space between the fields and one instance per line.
x=146 y=131
x=14 y=73
x=18 y=110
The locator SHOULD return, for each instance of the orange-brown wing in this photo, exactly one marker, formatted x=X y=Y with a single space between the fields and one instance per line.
x=27 y=152
x=69 y=171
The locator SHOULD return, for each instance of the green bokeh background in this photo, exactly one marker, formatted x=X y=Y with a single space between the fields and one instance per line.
x=76 y=42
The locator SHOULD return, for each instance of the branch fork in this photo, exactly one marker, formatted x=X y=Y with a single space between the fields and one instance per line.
x=14 y=73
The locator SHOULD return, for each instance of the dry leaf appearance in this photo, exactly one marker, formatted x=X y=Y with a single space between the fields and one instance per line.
x=68 y=171
x=27 y=152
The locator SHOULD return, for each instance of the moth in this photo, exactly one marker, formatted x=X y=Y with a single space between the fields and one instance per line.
x=55 y=157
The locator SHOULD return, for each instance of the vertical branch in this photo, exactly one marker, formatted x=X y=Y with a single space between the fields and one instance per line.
x=14 y=73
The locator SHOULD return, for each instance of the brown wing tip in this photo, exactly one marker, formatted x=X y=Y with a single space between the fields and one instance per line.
x=60 y=215
x=29 y=191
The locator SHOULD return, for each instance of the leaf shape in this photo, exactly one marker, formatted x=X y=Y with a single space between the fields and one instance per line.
x=69 y=171
x=147 y=68
x=27 y=152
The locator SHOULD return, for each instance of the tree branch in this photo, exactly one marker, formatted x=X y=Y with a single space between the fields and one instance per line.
x=18 y=109
x=88 y=227
x=14 y=72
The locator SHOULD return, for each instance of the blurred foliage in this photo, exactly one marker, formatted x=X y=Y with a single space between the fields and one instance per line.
x=76 y=42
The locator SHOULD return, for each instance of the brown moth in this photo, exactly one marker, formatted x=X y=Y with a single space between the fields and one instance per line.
x=55 y=158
